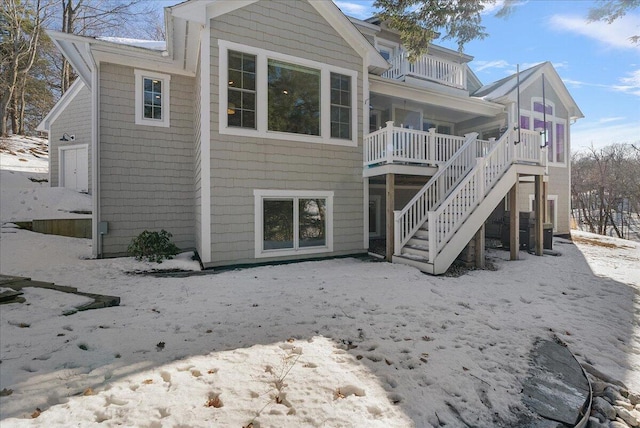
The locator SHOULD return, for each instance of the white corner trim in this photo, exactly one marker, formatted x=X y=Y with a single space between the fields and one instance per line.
x=205 y=144
x=140 y=75
x=261 y=194
x=261 y=131
x=96 y=238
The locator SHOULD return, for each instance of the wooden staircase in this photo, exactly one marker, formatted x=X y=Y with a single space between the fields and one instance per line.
x=436 y=225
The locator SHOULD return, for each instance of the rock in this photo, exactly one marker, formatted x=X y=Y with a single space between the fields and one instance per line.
x=632 y=418
x=612 y=395
x=627 y=405
x=634 y=398
x=595 y=423
x=618 y=424
x=600 y=405
x=598 y=387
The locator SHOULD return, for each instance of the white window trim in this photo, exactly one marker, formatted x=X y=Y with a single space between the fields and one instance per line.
x=554 y=120
x=553 y=198
x=261 y=131
x=392 y=47
x=139 y=98
x=61 y=164
x=260 y=194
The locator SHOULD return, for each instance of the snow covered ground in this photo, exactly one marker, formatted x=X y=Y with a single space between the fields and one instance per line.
x=24 y=187
x=331 y=343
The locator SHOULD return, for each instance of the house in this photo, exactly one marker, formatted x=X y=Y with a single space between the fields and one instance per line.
x=275 y=130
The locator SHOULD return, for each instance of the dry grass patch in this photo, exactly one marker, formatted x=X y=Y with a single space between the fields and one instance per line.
x=597 y=242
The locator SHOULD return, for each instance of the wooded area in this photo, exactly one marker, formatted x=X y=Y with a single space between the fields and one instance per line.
x=33 y=74
x=605 y=189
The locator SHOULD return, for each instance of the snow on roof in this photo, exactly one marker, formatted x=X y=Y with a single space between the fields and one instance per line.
x=156 y=45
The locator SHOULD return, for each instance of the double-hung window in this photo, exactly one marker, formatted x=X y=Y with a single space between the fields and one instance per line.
x=241 y=107
x=293 y=222
x=267 y=94
x=152 y=98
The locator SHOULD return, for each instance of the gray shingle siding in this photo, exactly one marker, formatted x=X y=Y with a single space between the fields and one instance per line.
x=73 y=120
x=241 y=164
x=146 y=173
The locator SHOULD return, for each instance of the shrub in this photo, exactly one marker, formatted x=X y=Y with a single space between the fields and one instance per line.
x=153 y=246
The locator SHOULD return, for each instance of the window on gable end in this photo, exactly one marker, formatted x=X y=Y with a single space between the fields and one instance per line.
x=152 y=105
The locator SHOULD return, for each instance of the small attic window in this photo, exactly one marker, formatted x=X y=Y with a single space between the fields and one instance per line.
x=152 y=98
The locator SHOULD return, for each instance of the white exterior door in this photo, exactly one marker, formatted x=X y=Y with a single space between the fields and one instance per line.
x=75 y=168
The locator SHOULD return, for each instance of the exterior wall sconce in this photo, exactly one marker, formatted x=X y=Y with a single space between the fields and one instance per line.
x=67 y=137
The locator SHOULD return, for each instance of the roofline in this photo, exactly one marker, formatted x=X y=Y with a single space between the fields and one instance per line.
x=82 y=51
x=60 y=106
x=491 y=108
x=557 y=83
x=202 y=10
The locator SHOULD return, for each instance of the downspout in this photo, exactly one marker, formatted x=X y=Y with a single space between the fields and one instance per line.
x=366 y=97
x=96 y=238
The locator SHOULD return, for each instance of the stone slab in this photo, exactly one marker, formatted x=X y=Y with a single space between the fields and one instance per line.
x=557 y=389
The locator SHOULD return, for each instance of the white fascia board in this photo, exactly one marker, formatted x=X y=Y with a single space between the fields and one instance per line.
x=61 y=105
x=201 y=10
x=380 y=85
x=136 y=57
x=74 y=48
x=553 y=78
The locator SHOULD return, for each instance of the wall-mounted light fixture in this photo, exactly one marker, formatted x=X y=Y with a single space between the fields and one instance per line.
x=67 y=137
x=231 y=108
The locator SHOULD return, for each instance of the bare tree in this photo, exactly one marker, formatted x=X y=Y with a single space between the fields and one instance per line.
x=605 y=188
x=22 y=24
x=132 y=18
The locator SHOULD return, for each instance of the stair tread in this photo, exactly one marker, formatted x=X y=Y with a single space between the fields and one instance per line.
x=414 y=257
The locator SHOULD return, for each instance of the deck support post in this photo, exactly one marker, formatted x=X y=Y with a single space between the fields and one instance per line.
x=390 y=206
x=541 y=202
x=514 y=221
x=479 y=238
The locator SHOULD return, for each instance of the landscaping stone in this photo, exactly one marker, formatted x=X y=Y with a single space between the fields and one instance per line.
x=632 y=418
x=612 y=395
x=626 y=404
x=595 y=423
x=603 y=406
x=618 y=424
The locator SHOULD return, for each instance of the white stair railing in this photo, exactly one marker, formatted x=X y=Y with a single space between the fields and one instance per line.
x=433 y=193
x=445 y=220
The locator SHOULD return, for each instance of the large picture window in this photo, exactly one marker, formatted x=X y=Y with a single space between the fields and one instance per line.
x=278 y=96
x=294 y=98
x=293 y=222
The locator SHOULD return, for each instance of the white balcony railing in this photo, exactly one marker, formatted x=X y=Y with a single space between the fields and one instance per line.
x=394 y=144
x=428 y=67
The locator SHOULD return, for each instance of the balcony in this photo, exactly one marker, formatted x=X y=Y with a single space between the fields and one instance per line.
x=430 y=68
x=421 y=152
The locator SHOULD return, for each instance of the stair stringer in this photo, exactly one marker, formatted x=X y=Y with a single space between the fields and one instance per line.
x=473 y=222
